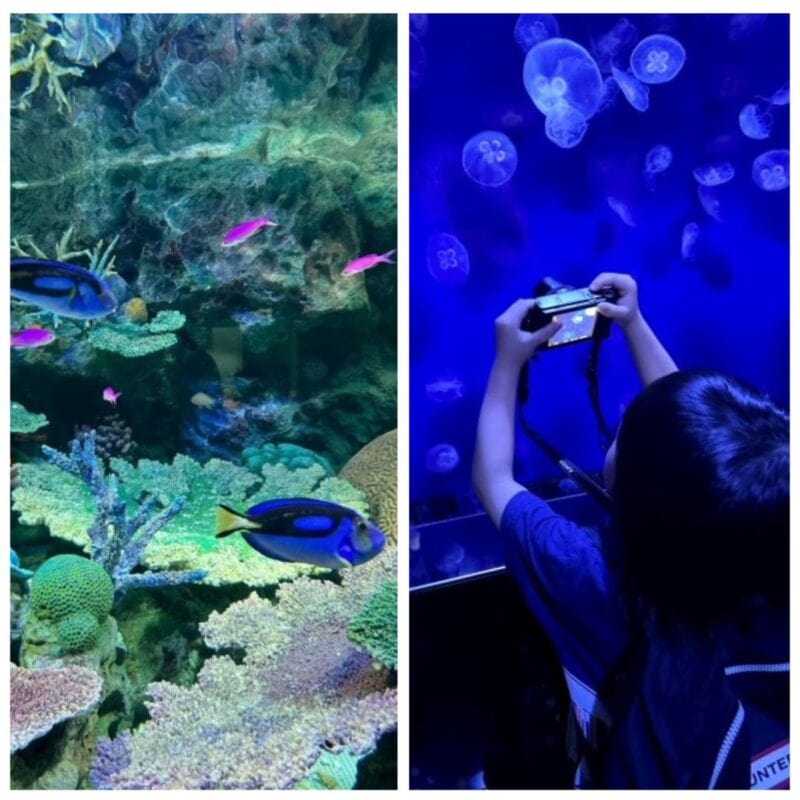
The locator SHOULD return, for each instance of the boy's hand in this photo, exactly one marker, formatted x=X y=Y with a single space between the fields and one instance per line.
x=515 y=346
x=626 y=309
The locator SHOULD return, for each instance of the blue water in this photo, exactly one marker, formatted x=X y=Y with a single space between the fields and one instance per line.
x=570 y=214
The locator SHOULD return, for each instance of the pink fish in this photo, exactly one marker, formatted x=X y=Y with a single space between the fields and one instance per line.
x=110 y=395
x=367 y=262
x=32 y=337
x=246 y=230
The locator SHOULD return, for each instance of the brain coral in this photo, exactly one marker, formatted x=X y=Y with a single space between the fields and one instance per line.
x=373 y=469
x=76 y=595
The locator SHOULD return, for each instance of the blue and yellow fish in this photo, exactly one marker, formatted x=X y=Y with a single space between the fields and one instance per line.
x=64 y=289
x=302 y=529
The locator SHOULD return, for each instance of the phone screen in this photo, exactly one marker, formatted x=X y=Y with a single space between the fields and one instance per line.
x=576 y=326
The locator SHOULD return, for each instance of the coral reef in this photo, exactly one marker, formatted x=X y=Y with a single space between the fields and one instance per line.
x=136 y=310
x=74 y=596
x=375 y=627
x=134 y=340
x=117 y=541
x=42 y=698
x=113 y=437
x=373 y=469
x=303 y=688
x=64 y=502
x=24 y=421
x=292 y=456
x=30 y=34
x=332 y=771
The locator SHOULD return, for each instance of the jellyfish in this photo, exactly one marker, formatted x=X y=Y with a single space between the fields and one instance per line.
x=450 y=559
x=534 y=28
x=743 y=26
x=448 y=260
x=441 y=458
x=559 y=71
x=565 y=126
x=658 y=159
x=622 y=210
x=771 y=170
x=689 y=237
x=489 y=158
x=610 y=92
x=709 y=199
x=714 y=174
x=636 y=93
x=780 y=97
x=418 y=23
x=418 y=62
x=755 y=122
x=445 y=389
x=611 y=45
x=657 y=58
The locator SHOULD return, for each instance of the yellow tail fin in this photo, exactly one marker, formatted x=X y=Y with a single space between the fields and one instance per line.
x=230 y=521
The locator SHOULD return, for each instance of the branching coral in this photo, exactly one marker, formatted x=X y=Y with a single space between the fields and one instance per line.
x=101 y=259
x=65 y=504
x=117 y=541
x=42 y=698
x=31 y=34
x=303 y=690
x=24 y=421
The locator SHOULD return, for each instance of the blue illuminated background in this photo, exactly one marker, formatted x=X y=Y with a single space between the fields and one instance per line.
x=727 y=309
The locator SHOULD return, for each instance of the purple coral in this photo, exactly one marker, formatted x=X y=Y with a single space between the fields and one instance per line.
x=41 y=698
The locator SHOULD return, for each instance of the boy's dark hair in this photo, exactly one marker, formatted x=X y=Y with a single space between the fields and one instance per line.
x=701 y=498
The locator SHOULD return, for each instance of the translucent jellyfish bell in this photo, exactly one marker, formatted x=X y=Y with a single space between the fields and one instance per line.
x=448 y=259
x=657 y=58
x=657 y=159
x=489 y=158
x=445 y=388
x=442 y=458
x=610 y=92
x=743 y=26
x=534 y=28
x=755 y=121
x=610 y=46
x=622 y=210
x=636 y=93
x=418 y=62
x=714 y=174
x=565 y=126
x=689 y=237
x=710 y=200
x=560 y=71
x=771 y=170
x=781 y=96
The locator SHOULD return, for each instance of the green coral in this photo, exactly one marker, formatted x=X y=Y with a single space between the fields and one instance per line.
x=290 y=455
x=76 y=595
x=24 y=421
x=133 y=340
x=332 y=771
x=375 y=627
x=48 y=496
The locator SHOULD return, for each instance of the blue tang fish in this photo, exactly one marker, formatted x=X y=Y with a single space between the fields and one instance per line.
x=302 y=529
x=63 y=289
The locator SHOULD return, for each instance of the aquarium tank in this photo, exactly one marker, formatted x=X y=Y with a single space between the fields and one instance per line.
x=568 y=145
x=203 y=401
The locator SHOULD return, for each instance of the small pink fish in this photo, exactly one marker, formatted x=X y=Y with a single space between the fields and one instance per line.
x=32 y=337
x=110 y=395
x=367 y=262
x=246 y=230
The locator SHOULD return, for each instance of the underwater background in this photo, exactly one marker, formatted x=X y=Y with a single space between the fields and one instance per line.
x=147 y=653
x=711 y=259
